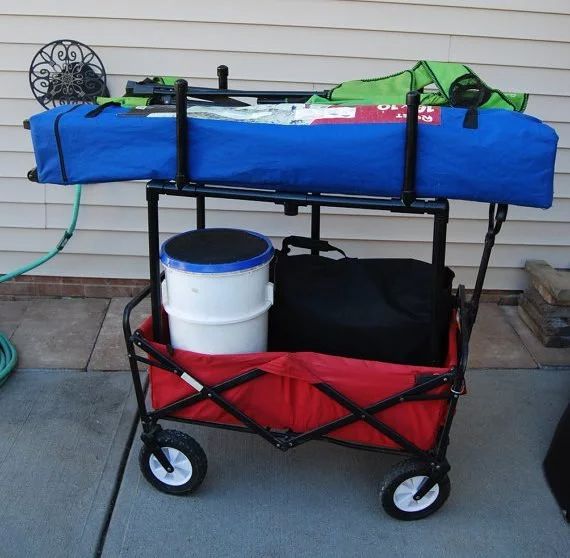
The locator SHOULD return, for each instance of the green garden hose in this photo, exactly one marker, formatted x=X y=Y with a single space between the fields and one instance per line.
x=8 y=358
x=8 y=354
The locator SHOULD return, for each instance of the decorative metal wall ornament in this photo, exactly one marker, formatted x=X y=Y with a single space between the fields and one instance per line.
x=67 y=72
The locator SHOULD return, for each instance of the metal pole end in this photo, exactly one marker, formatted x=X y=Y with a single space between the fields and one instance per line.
x=33 y=175
x=180 y=86
x=413 y=98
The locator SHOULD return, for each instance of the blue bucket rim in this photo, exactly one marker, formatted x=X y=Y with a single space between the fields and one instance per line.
x=240 y=265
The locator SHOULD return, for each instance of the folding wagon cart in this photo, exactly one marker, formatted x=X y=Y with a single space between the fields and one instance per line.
x=403 y=409
x=496 y=156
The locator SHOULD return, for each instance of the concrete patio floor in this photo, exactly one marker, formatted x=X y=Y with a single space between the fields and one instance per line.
x=71 y=486
x=66 y=435
x=64 y=438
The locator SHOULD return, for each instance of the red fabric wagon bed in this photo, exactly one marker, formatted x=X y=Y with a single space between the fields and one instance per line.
x=285 y=397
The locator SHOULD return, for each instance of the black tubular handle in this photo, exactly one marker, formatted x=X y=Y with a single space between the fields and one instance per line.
x=223 y=73
x=308 y=244
x=409 y=188
x=181 y=89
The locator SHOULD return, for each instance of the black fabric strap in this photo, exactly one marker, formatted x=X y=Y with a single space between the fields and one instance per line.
x=98 y=110
x=470 y=92
x=56 y=132
x=471 y=119
x=308 y=244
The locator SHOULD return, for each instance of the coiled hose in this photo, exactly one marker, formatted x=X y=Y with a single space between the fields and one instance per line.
x=8 y=353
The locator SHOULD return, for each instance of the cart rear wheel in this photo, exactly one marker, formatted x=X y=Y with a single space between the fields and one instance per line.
x=401 y=484
x=186 y=457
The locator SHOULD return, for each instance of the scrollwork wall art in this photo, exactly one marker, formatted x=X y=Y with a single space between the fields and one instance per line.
x=67 y=72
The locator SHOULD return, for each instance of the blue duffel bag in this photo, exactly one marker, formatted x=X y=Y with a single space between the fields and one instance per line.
x=508 y=158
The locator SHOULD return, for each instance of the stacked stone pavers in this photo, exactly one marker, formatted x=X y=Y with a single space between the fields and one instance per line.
x=545 y=305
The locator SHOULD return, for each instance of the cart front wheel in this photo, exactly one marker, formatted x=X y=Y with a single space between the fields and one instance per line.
x=401 y=484
x=186 y=457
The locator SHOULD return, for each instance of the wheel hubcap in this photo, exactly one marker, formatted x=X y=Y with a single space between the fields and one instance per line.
x=404 y=495
x=182 y=472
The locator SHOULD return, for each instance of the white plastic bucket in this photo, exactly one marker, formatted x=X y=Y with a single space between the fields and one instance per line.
x=216 y=300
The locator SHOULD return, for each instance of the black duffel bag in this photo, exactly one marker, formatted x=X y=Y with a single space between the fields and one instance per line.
x=375 y=309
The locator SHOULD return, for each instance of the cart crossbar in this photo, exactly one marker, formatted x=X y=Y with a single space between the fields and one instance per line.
x=286 y=441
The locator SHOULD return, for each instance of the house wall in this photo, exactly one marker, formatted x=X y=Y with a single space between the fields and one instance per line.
x=516 y=45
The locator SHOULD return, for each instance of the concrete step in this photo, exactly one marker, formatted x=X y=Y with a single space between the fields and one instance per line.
x=545 y=334
x=543 y=356
x=552 y=284
x=551 y=321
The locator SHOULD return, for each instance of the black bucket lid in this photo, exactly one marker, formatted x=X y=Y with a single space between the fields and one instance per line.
x=216 y=250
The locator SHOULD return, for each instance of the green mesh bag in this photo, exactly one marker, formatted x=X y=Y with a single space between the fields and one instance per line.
x=440 y=84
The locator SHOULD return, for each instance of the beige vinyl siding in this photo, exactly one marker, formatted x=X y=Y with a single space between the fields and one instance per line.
x=515 y=45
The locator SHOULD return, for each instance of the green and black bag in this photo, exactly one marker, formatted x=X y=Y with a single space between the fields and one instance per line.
x=440 y=84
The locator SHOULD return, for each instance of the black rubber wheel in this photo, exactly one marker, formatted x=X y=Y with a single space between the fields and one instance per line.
x=402 y=482
x=185 y=455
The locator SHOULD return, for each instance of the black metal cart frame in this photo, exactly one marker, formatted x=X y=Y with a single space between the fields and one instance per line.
x=406 y=204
